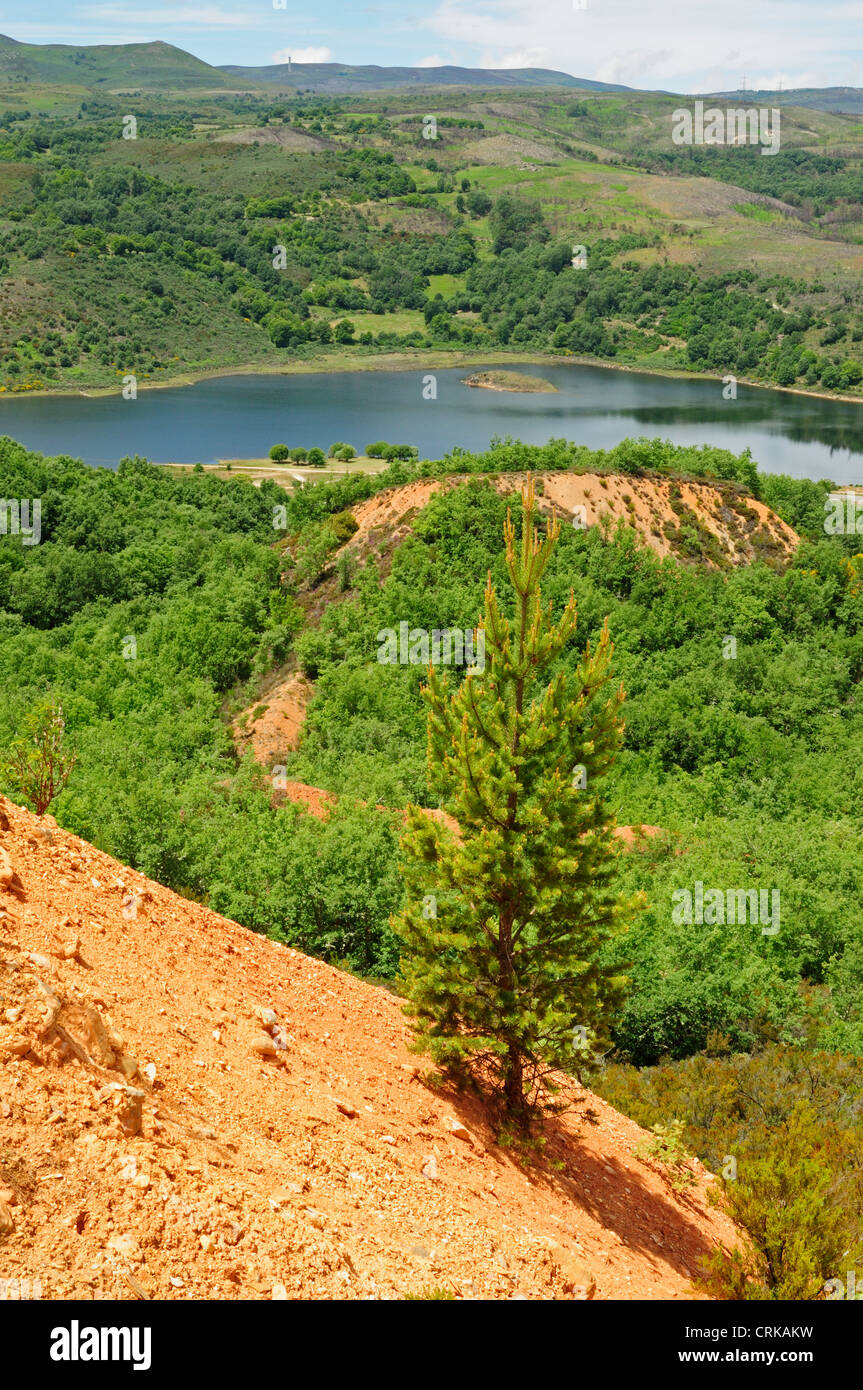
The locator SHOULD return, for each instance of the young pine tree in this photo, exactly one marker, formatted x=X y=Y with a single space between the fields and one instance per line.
x=505 y=919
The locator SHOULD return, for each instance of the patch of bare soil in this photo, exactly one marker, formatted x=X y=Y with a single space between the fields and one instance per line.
x=636 y=836
x=741 y=528
x=272 y=727
x=315 y=800
x=658 y=509
x=188 y=1110
x=512 y=152
x=283 y=136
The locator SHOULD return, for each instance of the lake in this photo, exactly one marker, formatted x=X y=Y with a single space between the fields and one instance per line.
x=242 y=416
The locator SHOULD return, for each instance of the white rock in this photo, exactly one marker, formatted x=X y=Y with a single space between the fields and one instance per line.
x=126 y=1246
x=458 y=1131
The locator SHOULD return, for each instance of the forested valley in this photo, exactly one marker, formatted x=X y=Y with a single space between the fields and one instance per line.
x=154 y=605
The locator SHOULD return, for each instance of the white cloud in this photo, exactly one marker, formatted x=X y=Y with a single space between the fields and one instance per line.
x=433 y=62
x=525 y=58
x=772 y=81
x=634 y=68
x=704 y=46
x=304 y=55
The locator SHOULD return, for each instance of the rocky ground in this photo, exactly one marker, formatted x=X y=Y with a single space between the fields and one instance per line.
x=188 y=1110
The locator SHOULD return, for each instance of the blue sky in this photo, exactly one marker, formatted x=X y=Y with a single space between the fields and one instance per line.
x=680 y=45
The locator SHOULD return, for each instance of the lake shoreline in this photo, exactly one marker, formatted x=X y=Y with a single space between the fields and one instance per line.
x=239 y=417
x=414 y=360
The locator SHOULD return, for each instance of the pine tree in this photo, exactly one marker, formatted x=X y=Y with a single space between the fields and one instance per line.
x=505 y=918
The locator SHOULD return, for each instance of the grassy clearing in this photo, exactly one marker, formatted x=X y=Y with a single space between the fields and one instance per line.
x=400 y=321
x=286 y=474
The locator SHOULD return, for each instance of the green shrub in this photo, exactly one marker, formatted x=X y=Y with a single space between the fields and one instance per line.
x=667 y=1148
x=344 y=524
x=788 y=1194
x=784 y=1129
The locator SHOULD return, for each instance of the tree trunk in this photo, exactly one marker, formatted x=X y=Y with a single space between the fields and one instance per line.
x=514 y=1069
x=514 y=1083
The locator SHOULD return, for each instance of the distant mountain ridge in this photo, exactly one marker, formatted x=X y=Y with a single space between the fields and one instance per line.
x=160 y=66
x=838 y=100
x=154 y=66
x=349 y=77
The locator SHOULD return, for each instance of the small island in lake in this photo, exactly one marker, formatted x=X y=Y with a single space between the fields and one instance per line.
x=508 y=381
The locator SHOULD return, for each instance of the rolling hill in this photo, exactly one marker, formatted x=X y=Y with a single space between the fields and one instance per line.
x=347 y=77
x=158 y=67
x=839 y=100
x=148 y=66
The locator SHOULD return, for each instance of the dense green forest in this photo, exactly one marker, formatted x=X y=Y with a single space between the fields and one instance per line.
x=748 y=764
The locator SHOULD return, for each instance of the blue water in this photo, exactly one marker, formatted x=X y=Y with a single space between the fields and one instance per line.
x=242 y=416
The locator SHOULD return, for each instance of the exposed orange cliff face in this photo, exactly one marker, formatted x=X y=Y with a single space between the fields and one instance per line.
x=188 y=1110
x=273 y=726
x=653 y=506
x=734 y=530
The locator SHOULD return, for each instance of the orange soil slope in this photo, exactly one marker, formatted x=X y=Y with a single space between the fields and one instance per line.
x=384 y=521
x=277 y=729
x=162 y=1137
x=643 y=503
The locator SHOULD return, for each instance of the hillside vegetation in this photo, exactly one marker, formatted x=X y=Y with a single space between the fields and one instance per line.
x=157 y=607
x=561 y=746
x=286 y=230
